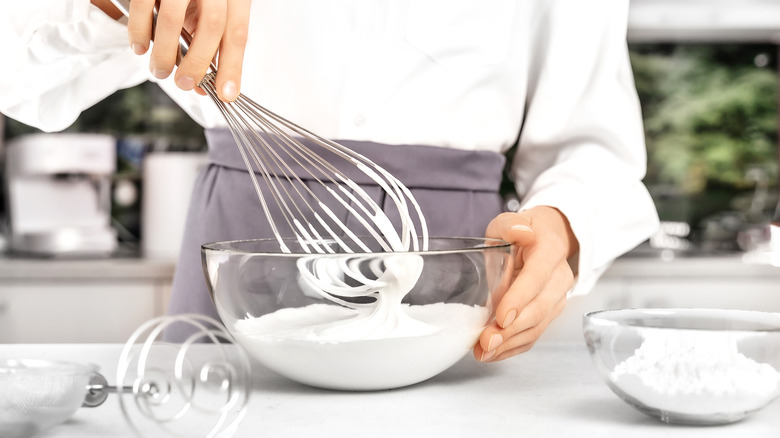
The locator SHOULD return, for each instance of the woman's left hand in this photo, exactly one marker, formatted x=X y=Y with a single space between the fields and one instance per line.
x=541 y=279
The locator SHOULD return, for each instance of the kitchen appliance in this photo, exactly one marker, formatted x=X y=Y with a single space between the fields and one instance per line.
x=58 y=192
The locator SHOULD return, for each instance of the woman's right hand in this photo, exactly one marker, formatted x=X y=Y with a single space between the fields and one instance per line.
x=217 y=26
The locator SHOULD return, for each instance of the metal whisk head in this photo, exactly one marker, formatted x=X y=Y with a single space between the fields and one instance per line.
x=310 y=188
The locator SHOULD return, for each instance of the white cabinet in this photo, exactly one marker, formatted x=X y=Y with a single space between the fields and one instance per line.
x=712 y=291
x=77 y=311
x=80 y=301
x=715 y=282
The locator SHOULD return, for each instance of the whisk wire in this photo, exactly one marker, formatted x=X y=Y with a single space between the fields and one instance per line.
x=315 y=161
x=270 y=145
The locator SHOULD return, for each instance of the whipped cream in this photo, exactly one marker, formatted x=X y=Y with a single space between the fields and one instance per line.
x=364 y=337
x=320 y=344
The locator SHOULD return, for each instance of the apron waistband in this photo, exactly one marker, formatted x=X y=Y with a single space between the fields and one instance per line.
x=414 y=165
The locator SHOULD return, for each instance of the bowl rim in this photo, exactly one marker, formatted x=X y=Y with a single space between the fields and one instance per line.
x=45 y=366
x=496 y=244
x=770 y=319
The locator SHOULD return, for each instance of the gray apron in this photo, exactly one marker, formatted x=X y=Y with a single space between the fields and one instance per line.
x=457 y=192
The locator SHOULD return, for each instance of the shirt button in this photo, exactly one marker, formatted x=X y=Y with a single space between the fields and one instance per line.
x=359 y=120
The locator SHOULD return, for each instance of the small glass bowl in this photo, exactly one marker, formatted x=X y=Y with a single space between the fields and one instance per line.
x=271 y=303
x=39 y=394
x=688 y=366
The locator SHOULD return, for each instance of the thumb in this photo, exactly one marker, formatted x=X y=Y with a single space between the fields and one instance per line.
x=516 y=228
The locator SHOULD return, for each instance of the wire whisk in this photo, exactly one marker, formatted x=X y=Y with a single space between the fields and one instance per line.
x=282 y=155
x=270 y=145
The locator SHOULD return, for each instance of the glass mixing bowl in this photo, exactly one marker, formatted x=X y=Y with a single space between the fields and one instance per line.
x=363 y=321
x=688 y=366
x=38 y=394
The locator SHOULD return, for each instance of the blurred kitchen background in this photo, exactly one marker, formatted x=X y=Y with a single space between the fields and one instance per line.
x=707 y=76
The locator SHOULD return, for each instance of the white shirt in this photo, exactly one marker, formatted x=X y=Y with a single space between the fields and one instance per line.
x=464 y=74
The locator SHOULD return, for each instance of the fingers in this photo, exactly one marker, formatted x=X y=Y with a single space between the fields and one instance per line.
x=218 y=26
x=231 y=51
x=537 y=295
x=497 y=344
x=515 y=228
x=205 y=43
x=544 y=266
x=167 y=30
x=139 y=25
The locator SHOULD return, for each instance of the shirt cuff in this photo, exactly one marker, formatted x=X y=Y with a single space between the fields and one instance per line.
x=606 y=225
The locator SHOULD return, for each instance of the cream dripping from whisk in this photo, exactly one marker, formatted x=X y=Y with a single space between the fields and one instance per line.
x=385 y=316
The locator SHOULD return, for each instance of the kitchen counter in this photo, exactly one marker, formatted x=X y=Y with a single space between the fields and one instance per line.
x=26 y=269
x=725 y=265
x=551 y=391
x=51 y=300
x=120 y=293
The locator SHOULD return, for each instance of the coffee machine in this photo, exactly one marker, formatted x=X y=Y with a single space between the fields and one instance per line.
x=58 y=191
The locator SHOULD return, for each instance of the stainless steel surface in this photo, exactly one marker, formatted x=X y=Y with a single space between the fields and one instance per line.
x=66 y=242
x=97 y=391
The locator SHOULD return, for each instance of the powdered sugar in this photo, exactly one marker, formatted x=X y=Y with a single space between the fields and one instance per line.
x=694 y=373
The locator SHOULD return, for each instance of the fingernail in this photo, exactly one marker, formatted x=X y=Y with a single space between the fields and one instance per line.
x=487 y=355
x=509 y=319
x=519 y=227
x=157 y=72
x=138 y=49
x=185 y=83
x=230 y=91
x=495 y=341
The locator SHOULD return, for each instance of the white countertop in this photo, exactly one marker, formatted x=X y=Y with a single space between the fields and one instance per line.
x=35 y=269
x=551 y=391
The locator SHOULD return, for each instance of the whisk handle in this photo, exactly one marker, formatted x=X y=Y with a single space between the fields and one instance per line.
x=185 y=40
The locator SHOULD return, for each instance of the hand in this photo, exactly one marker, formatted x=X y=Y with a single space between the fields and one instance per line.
x=217 y=26
x=541 y=279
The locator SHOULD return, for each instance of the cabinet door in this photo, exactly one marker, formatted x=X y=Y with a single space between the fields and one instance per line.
x=567 y=327
x=757 y=293
x=76 y=312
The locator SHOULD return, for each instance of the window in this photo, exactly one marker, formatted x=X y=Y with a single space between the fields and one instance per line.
x=710 y=114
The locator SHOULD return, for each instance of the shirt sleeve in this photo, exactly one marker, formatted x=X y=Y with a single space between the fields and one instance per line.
x=581 y=148
x=63 y=57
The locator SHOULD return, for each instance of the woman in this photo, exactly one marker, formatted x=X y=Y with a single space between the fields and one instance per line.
x=432 y=87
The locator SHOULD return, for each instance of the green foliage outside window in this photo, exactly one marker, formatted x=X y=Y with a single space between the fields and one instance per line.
x=710 y=114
